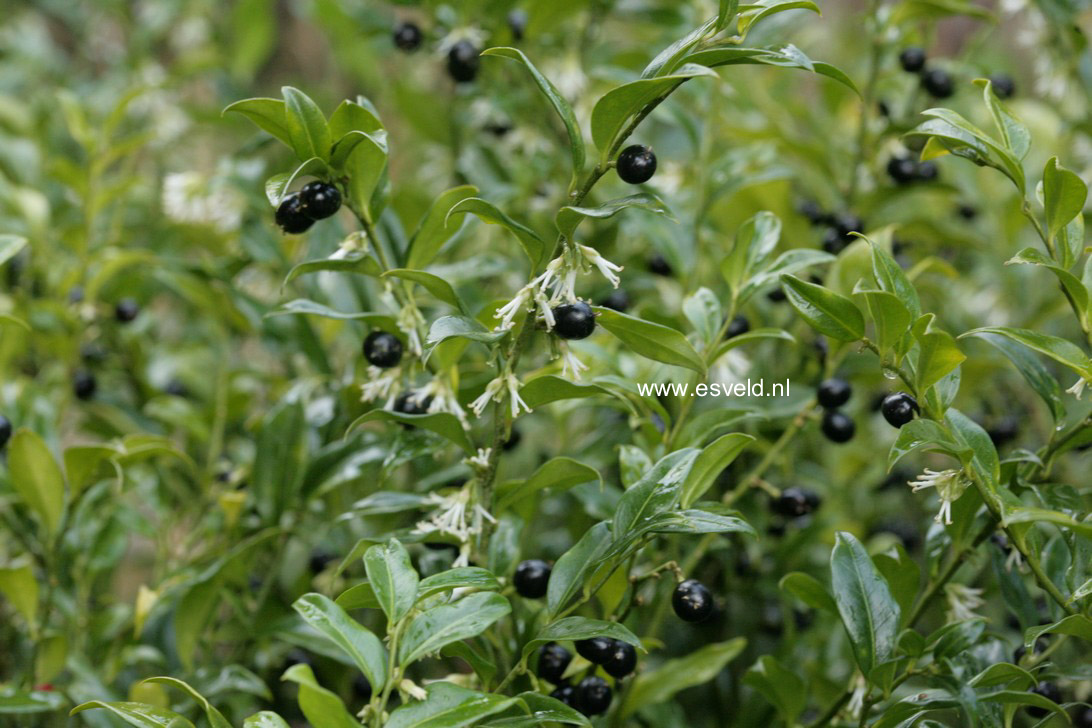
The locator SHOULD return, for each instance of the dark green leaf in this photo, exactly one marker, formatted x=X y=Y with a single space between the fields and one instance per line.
x=868 y=611
x=825 y=311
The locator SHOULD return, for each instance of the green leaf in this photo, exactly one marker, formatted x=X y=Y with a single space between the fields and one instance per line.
x=713 y=459
x=1064 y=195
x=962 y=138
x=1023 y=514
x=267 y=114
x=925 y=434
x=544 y=709
x=278 y=467
x=322 y=708
x=138 y=714
x=825 y=311
x=807 y=589
x=869 y=612
x=1014 y=135
x=651 y=340
x=352 y=116
x=889 y=316
x=620 y=105
x=1060 y=350
x=890 y=277
x=654 y=493
x=782 y=687
x=434 y=284
x=464 y=577
x=902 y=574
x=1074 y=625
x=695 y=520
x=658 y=686
x=447 y=623
x=754 y=335
x=10 y=245
x=18 y=585
x=303 y=306
x=1002 y=673
x=561 y=106
x=352 y=638
x=971 y=436
x=791 y=261
x=215 y=717
x=37 y=477
x=551 y=388
x=437 y=227
x=444 y=424
x=751 y=17
x=393 y=578
x=938 y=353
x=1021 y=697
x=277 y=186
x=462 y=327
x=569 y=218
x=1072 y=285
x=576 y=565
x=366 y=167
x=1036 y=375
x=361 y=596
x=265 y=719
x=532 y=244
x=306 y=125
x=788 y=56
x=346 y=145
x=703 y=311
x=580 y=628
x=344 y=263
x=448 y=706
x=560 y=473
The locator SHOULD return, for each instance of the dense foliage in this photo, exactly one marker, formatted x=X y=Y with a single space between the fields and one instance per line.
x=350 y=353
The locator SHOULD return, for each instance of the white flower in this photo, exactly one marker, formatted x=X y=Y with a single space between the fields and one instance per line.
x=492 y=393
x=355 y=242
x=949 y=485
x=193 y=198
x=507 y=312
x=443 y=400
x=409 y=318
x=450 y=517
x=381 y=383
x=514 y=400
x=605 y=267
x=481 y=460
x=570 y=364
x=1078 y=389
x=962 y=601
x=412 y=689
x=856 y=700
x=494 y=388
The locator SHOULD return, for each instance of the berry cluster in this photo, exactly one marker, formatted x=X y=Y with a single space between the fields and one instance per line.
x=906 y=170
x=299 y=210
x=832 y=394
x=839 y=226
x=938 y=83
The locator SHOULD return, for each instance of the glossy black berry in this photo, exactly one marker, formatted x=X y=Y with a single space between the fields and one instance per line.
x=658 y=264
x=837 y=426
x=912 y=59
x=938 y=83
x=407 y=36
x=362 y=689
x=83 y=384
x=776 y=295
x=617 y=300
x=834 y=242
x=1004 y=431
x=739 y=326
x=553 y=660
x=1003 y=85
x=1049 y=691
x=813 y=212
x=899 y=408
x=795 y=503
x=595 y=649
x=592 y=696
x=291 y=217
x=967 y=212
x=517 y=23
x=126 y=310
x=320 y=200
x=463 y=62
x=408 y=403
x=513 y=441
x=622 y=660
x=902 y=170
x=846 y=223
x=1083 y=718
x=834 y=392
x=382 y=349
x=636 y=164
x=531 y=578
x=692 y=601
x=5 y=430
x=176 y=388
x=927 y=171
x=565 y=693
x=319 y=560
x=574 y=320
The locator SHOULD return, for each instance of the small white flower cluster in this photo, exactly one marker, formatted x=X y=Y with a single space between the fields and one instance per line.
x=443 y=400
x=962 y=601
x=409 y=318
x=450 y=518
x=193 y=198
x=1078 y=389
x=949 y=485
x=382 y=383
x=495 y=389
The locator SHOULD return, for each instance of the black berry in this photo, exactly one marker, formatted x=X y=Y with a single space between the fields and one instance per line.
x=553 y=660
x=902 y=170
x=291 y=217
x=658 y=264
x=592 y=696
x=566 y=694
x=692 y=601
x=83 y=384
x=595 y=649
x=513 y=440
x=834 y=392
x=837 y=426
x=776 y=295
x=1083 y=718
x=813 y=212
x=574 y=320
x=319 y=560
x=967 y=212
x=407 y=36
x=1049 y=691
x=636 y=164
x=176 y=388
x=531 y=578
x=517 y=23
x=617 y=300
x=622 y=660
x=927 y=171
x=362 y=688
x=846 y=223
x=382 y=349
x=739 y=326
x=834 y=242
x=1003 y=85
x=1004 y=431
x=938 y=83
x=899 y=408
x=409 y=403
x=5 y=430
x=795 y=503
x=320 y=200
x=463 y=62
x=126 y=310
x=912 y=59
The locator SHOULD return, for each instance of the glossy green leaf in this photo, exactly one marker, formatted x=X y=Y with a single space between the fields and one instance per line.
x=571 y=629
x=306 y=125
x=463 y=577
x=437 y=227
x=825 y=311
x=869 y=612
x=661 y=684
x=938 y=353
x=432 y=629
x=463 y=327
x=321 y=707
x=558 y=474
x=343 y=263
x=532 y=244
x=551 y=388
x=138 y=714
x=352 y=638
x=393 y=578
x=782 y=687
x=215 y=717
x=1064 y=195
x=444 y=424
x=713 y=459
x=36 y=477
x=576 y=565
x=651 y=340
x=434 y=284
x=267 y=114
x=807 y=589
x=448 y=706
x=265 y=719
x=788 y=56
x=569 y=217
x=657 y=491
x=1060 y=350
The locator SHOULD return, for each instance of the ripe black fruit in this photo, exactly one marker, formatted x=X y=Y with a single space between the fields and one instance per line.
x=553 y=660
x=795 y=503
x=658 y=264
x=574 y=320
x=592 y=696
x=636 y=164
x=899 y=408
x=815 y=214
x=320 y=200
x=938 y=83
x=362 y=688
x=692 y=601
x=408 y=403
x=967 y=212
x=291 y=217
x=517 y=23
x=617 y=300
x=84 y=384
x=1083 y=718
x=407 y=36
x=595 y=649
x=5 y=430
x=622 y=660
x=837 y=426
x=1049 y=691
x=739 y=326
x=463 y=62
x=846 y=223
x=126 y=310
x=834 y=392
x=927 y=171
x=531 y=578
x=1003 y=85
x=902 y=170
x=912 y=59
x=319 y=560
x=382 y=349
x=566 y=694
x=834 y=242
x=176 y=388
